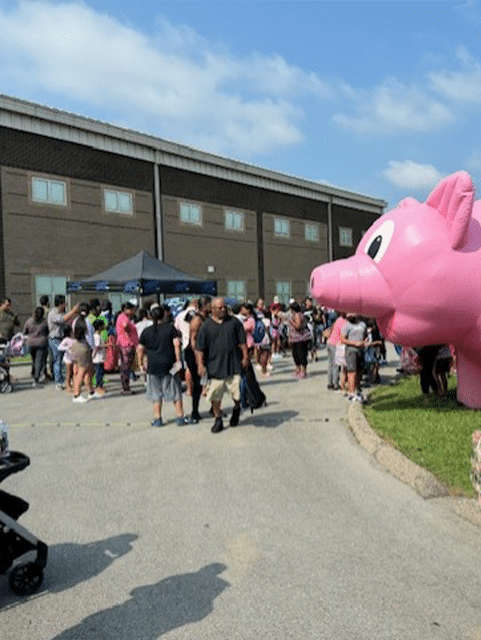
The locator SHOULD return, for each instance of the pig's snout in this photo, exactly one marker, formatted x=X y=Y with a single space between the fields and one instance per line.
x=354 y=285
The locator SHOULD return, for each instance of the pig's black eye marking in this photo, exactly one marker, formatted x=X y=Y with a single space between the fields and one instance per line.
x=374 y=247
x=379 y=240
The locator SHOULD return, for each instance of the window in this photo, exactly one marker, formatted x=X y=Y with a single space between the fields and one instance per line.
x=117 y=300
x=312 y=231
x=190 y=213
x=118 y=201
x=282 y=227
x=284 y=291
x=234 y=220
x=345 y=237
x=46 y=285
x=49 y=191
x=236 y=289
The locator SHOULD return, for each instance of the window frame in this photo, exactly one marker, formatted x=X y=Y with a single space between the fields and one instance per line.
x=117 y=193
x=196 y=223
x=236 y=295
x=49 y=199
x=284 y=297
x=343 y=242
x=234 y=213
x=283 y=221
x=313 y=226
x=53 y=291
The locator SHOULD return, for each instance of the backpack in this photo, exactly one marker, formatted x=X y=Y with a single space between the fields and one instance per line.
x=259 y=330
x=252 y=396
x=410 y=361
x=16 y=344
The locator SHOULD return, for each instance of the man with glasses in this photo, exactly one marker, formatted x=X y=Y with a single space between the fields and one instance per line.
x=221 y=351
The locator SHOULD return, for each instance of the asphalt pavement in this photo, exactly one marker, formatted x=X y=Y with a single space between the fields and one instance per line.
x=283 y=528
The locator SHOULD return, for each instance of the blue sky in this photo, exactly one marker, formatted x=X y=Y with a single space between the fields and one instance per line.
x=382 y=98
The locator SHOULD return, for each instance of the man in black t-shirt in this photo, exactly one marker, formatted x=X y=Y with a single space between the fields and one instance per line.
x=221 y=352
x=159 y=355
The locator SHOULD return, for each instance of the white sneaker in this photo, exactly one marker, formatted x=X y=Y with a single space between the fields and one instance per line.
x=80 y=399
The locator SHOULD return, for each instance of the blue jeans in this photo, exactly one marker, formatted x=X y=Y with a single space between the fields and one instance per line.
x=57 y=358
x=99 y=374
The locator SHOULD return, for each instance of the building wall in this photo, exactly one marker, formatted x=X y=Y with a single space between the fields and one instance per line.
x=194 y=248
x=347 y=218
x=73 y=241
x=81 y=238
x=291 y=259
x=259 y=257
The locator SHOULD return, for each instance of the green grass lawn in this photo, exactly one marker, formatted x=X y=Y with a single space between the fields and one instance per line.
x=437 y=437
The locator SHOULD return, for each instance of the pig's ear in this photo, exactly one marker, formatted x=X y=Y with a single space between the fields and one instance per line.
x=407 y=202
x=453 y=198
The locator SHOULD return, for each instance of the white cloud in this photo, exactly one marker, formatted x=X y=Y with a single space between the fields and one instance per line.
x=393 y=108
x=173 y=83
x=412 y=175
x=459 y=86
x=473 y=163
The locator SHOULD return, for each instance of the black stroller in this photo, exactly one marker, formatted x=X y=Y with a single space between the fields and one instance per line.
x=15 y=541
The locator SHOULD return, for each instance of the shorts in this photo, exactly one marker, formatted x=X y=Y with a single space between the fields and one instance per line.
x=163 y=388
x=353 y=358
x=216 y=388
x=81 y=353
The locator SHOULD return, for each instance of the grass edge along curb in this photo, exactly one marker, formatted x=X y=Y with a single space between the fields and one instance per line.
x=436 y=437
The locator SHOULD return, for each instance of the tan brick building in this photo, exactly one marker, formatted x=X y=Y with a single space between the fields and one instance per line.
x=78 y=195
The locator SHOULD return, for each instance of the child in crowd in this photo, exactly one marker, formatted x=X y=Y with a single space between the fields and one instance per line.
x=81 y=355
x=64 y=346
x=98 y=356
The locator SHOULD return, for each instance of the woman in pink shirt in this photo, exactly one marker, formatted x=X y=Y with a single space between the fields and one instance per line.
x=127 y=341
x=333 y=340
x=247 y=310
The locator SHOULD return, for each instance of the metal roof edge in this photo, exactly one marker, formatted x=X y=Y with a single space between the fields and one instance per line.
x=156 y=144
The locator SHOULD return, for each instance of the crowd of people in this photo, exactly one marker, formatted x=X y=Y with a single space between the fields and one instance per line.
x=204 y=349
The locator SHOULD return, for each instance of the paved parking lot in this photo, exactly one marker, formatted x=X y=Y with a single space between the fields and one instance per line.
x=281 y=528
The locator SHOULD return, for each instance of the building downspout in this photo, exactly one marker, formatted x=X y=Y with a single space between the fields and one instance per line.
x=159 y=240
x=330 y=251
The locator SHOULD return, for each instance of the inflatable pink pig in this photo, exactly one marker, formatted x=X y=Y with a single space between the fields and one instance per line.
x=417 y=270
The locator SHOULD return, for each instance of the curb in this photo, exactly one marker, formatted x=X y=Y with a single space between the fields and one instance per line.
x=422 y=481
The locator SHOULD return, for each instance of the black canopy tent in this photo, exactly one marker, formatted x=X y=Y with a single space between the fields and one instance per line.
x=144 y=275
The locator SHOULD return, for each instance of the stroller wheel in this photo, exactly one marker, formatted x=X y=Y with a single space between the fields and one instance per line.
x=26 y=578
x=6 y=387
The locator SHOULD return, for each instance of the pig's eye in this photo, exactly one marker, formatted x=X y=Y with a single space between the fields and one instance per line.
x=379 y=240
